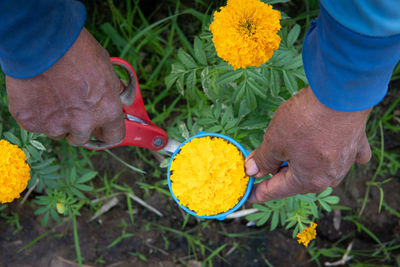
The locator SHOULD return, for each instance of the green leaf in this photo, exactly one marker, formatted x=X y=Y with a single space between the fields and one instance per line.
x=199 y=53
x=33 y=152
x=281 y=58
x=37 y=144
x=231 y=124
x=43 y=163
x=226 y=116
x=256 y=75
x=12 y=138
x=87 y=177
x=230 y=76
x=290 y=82
x=254 y=123
x=325 y=193
x=293 y=35
x=255 y=216
x=115 y=37
x=191 y=82
x=239 y=92
x=214 y=129
x=49 y=169
x=262 y=207
x=291 y=224
x=77 y=193
x=84 y=187
x=264 y=219
x=24 y=135
x=186 y=59
x=217 y=110
x=45 y=219
x=255 y=88
x=180 y=84
x=325 y=206
x=275 y=83
x=308 y=198
x=332 y=200
x=274 y=220
x=297 y=62
x=204 y=121
x=170 y=80
x=41 y=210
x=272 y=2
x=251 y=99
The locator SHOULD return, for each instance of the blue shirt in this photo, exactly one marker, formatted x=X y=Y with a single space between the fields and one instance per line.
x=34 y=34
x=351 y=50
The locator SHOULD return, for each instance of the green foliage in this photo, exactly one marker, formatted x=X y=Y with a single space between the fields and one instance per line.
x=240 y=103
x=294 y=212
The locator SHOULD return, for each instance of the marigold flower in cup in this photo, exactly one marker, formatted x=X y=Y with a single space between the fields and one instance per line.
x=208 y=175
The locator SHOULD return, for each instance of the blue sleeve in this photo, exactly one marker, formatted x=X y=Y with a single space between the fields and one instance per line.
x=348 y=64
x=34 y=34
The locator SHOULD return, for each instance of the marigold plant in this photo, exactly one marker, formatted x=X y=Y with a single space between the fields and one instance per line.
x=245 y=32
x=14 y=171
x=308 y=234
x=208 y=175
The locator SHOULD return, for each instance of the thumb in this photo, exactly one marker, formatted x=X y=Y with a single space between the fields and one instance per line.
x=262 y=161
x=364 y=151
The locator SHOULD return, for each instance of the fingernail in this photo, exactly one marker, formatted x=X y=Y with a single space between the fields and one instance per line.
x=251 y=167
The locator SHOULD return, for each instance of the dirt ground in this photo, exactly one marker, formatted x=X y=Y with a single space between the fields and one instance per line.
x=277 y=247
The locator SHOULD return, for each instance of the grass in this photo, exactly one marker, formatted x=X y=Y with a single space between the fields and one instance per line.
x=150 y=39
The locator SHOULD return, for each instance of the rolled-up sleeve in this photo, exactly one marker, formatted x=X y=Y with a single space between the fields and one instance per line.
x=349 y=70
x=34 y=34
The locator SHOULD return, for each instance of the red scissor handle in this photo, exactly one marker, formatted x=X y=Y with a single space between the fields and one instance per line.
x=140 y=130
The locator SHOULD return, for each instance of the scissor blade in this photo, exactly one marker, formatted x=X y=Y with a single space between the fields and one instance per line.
x=171 y=146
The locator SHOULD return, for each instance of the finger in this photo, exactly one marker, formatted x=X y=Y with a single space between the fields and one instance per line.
x=335 y=183
x=79 y=133
x=364 y=152
x=56 y=137
x=77 y=139
x=111 y=133
x=285 y=184
x=262 y=161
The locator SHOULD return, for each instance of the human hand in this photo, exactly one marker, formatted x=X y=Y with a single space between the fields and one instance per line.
x=77 y=97
x=319 y=143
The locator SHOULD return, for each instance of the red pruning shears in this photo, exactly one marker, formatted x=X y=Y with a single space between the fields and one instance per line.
x=140 y=131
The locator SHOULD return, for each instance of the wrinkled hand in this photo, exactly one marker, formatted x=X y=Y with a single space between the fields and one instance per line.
x=77 y=97
x=320 y=145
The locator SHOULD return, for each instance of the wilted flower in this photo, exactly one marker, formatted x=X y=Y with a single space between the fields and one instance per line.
x=307 y=234
x=245 y=32
x=208 y=175
x=60 y=207
x=14 y=171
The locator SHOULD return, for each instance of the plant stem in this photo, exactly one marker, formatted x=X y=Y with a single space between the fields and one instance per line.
x=76 y=241
x=376 y=172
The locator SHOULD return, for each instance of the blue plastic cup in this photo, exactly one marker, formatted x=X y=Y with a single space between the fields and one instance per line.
x=220 y=216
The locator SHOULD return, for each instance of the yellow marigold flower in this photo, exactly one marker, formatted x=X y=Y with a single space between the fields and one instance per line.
x=208 y=176
x=14 y=171
x=245 y=32
x=307 y=234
